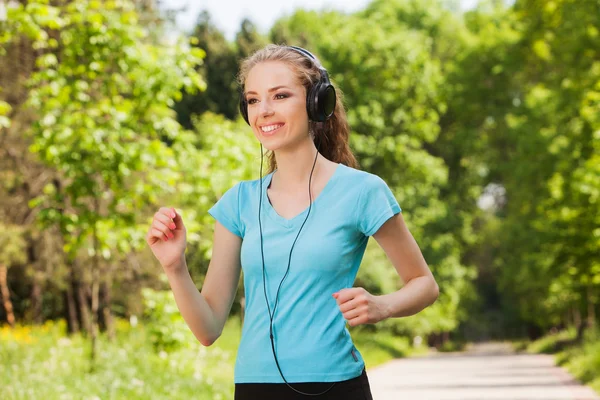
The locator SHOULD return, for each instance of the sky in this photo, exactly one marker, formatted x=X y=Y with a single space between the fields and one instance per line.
x=227 y=15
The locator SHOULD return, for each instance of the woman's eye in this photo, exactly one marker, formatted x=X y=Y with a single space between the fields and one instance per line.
x=278 y=96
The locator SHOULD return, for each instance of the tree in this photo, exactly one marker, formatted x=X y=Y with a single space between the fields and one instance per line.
x=556 y=149
x=103 y=125
x=526 y=86
x=248 y=39
x=219 y=67
x=12 y=252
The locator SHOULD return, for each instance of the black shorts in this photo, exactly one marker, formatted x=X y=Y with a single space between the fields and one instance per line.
x=352 y=389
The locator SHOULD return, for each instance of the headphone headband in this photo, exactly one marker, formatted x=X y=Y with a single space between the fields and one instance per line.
x=320 y=97
x=305 y=53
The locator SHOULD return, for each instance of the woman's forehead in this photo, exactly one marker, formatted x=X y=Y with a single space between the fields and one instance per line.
x=270 y=74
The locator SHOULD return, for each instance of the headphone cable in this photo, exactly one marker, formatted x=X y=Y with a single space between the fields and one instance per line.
x=271 y=315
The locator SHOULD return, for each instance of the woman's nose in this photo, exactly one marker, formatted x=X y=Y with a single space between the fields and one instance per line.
x=265 y=108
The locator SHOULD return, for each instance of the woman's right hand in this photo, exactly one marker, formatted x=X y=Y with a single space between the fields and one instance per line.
x=167 y=238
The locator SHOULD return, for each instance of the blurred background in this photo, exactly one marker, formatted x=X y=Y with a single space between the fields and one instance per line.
x=483 y=118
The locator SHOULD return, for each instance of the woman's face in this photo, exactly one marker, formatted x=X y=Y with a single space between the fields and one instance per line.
x=276 y=105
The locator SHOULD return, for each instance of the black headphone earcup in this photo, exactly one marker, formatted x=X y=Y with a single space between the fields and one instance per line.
x=327 y=100
x=311 y=103
x=320 y=102
x=244 y=108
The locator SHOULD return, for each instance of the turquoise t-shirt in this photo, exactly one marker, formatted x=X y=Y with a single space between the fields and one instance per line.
x=312 y=342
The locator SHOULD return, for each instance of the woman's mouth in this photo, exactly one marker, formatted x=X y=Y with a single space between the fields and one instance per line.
x=268 y=130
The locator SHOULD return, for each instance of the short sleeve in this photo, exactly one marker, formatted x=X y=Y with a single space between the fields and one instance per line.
x=376 y=204
x=227 y=210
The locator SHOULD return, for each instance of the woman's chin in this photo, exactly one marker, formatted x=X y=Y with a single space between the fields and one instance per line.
x=287 y=145
x=271 y=145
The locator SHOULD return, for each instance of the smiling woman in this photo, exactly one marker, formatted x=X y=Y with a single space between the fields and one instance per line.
x=276 y=107
x=299 y=234
x=304 y=95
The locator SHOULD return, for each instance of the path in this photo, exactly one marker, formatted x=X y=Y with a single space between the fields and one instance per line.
x=485 y=372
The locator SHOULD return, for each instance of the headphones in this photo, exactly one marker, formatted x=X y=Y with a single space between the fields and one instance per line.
x=320 y=98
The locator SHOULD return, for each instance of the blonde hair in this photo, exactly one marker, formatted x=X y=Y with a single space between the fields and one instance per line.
x=331 y=136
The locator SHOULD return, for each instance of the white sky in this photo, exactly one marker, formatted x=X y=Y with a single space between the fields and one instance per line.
x=227 y=15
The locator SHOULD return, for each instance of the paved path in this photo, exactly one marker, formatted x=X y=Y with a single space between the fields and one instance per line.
x=484 y=372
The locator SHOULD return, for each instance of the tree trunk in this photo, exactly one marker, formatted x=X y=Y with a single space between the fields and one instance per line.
x=95 y=289
x=105 y=294
x=72 y=322
x=84 y=310
x=445 y=337
x=580 y=324
x=10 y=316
x=94 y=312
x=591 y=312
x=576 y=317
x=567 y=317
x=36 y=301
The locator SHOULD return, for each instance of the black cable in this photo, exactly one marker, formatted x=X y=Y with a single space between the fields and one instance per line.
x=271 y=315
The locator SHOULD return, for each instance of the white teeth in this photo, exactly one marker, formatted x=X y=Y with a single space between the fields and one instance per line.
x=270 y=128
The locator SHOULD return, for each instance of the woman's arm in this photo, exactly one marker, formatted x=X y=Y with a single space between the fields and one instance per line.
x=420 y=288
x=206 y=312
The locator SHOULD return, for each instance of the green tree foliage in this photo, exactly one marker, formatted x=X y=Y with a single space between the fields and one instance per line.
x=478 y=90
x=104 y=121
x=520 y=116
x=167 y=330
x=549 y=164
x=248 y=39
x=219 y=68
x=219 y=154
x=103 y=97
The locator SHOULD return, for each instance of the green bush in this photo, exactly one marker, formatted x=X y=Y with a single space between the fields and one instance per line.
x=581 y=360
x=42 y=363
x=166 y=328
x=584 y=361
x=553 y=343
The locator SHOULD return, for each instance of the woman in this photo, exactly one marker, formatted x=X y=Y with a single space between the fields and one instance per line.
x=299 y=234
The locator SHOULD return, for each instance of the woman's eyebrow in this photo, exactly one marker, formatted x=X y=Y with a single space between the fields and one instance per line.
x=270 y=90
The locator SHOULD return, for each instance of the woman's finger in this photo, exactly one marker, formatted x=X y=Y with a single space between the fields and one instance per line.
x=347 y=306
x=351 y=314
x=168 y=211
x=163 y=228
x=162 y=217
x=158 y=234
x=356 y=321
x=177 y=219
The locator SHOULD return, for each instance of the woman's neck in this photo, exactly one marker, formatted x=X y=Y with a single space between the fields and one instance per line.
x=293 y=168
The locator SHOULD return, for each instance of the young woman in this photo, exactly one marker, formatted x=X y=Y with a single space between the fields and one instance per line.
x=299 y=234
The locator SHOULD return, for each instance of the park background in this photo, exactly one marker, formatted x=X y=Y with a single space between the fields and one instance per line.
x=484 y=122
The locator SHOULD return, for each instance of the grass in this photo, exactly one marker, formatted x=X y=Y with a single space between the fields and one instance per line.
x=553 y=343
x=582 y=360
x=41 y=363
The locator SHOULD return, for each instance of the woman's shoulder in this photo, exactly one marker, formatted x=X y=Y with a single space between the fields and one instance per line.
x=251 y=186
x=356 y=177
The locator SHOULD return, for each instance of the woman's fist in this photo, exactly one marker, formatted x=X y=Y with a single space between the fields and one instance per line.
x=167 y=237
x=360 y=307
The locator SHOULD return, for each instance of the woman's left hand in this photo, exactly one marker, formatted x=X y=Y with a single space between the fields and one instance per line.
x=360 y=307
